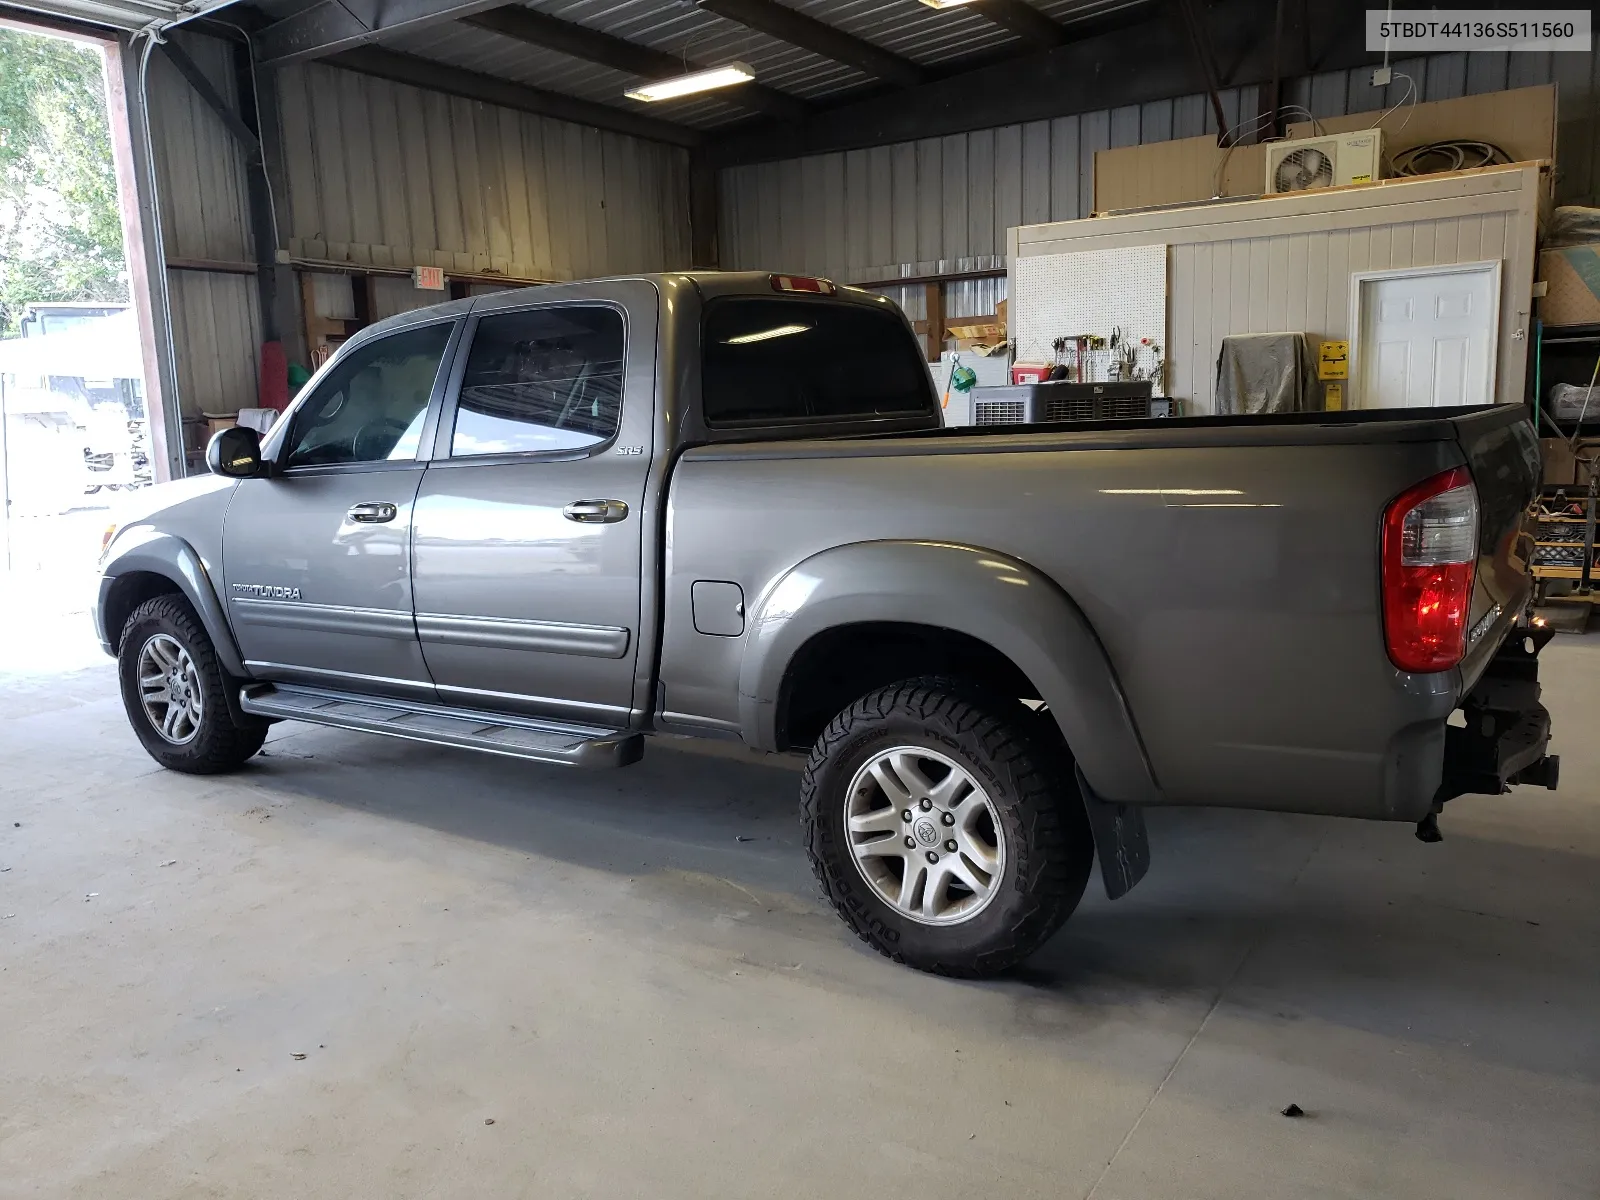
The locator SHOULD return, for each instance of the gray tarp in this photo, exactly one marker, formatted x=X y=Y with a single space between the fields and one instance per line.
x=1266 y=373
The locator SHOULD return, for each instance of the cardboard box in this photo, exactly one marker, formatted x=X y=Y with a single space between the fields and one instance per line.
x=1572 y=276
x=217 y=422
x=980 y=337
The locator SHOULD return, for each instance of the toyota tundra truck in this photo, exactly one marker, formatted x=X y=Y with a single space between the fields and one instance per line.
x=552 y=523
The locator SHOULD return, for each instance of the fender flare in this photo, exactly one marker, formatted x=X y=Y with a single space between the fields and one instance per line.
x=145 y=549
x=990 y=596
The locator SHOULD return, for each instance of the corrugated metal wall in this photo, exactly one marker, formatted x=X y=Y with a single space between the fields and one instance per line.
x=204 y=215
x=944 y=204
x=385 y=175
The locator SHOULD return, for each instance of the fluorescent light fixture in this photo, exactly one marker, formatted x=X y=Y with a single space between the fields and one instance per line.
x=777 y=331
x=945 y=3
x=695 y=81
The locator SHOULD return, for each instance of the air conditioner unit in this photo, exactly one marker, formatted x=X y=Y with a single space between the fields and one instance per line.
x=1047 y=403
x=1335 y=160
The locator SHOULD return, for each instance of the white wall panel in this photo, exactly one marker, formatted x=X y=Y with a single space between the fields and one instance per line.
x=1285 y=264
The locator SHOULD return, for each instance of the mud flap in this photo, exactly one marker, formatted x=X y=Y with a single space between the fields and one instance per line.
x=1120 y=840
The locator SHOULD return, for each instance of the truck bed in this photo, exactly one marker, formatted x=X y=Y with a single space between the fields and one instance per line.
x=1228 y=565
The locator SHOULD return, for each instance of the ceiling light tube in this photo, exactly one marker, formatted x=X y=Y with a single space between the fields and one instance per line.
x=695 y=81
x=744 y=339
x=945 y=3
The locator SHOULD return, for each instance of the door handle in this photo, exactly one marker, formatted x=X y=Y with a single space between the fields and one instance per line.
x=595 y=512
x=372 y=514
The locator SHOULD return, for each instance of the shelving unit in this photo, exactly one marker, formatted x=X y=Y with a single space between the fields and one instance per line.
x=1566 y=354
x=1564 y=549
x=1564 y=543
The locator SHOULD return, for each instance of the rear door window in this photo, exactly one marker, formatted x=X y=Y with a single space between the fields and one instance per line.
x=541 y=380
x=773 y=361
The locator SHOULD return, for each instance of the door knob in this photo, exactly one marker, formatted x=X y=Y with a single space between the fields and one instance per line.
x=372 y=514
x=595 y=512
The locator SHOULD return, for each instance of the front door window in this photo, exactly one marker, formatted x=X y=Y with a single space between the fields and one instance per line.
x=371 y=406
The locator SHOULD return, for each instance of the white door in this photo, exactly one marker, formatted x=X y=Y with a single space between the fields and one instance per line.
x=1428 y=338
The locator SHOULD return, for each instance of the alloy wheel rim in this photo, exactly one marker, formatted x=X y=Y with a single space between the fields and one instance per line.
x=169 y=689
x=924 y=835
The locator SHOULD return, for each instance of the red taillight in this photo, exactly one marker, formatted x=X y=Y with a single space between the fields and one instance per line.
x=1430 y=550
x=803 y=283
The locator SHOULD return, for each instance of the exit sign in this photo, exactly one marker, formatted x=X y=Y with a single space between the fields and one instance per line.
x=429 y=279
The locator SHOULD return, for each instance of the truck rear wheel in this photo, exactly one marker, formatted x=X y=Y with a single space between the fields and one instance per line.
x=945 y=831
x=173 y=691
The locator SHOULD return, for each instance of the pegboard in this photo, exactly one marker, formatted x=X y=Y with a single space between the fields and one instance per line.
x=1092 y=291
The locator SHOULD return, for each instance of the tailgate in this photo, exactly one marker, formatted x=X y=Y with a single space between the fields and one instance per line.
x=1502 y=452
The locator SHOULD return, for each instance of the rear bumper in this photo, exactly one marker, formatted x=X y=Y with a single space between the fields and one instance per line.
x=1507 y=730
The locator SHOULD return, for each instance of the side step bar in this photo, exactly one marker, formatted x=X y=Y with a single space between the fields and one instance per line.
x=495 y=733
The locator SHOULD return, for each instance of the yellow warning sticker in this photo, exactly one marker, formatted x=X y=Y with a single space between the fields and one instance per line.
x=1333 y=360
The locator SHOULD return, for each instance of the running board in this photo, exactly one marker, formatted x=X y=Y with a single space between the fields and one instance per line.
x=494 y=733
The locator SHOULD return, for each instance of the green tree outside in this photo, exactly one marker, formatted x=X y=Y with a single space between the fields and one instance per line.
x=60 y=227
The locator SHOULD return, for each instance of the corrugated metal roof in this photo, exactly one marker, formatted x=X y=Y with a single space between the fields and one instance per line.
x=1068 y=11
x=691 y=33
x=924 y=35
x=939 y=39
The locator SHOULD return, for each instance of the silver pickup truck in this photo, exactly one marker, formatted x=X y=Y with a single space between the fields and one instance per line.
x=550 y=523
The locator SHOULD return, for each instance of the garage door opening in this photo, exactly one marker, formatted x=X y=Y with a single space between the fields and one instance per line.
x=74 y=419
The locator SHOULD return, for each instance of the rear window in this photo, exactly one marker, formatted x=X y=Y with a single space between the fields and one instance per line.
x=773 y=361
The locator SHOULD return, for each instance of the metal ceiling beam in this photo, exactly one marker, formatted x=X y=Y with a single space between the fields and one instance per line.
x=1082 y=76
x=778 y=21
x=590 y=45
x=425 y=73
x=1023 y=20
x=329 y=26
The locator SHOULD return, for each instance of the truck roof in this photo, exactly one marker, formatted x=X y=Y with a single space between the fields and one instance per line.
x=709 y=283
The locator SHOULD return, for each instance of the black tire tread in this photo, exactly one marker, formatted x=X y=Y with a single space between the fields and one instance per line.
x=1039 y=768
x=221 y=746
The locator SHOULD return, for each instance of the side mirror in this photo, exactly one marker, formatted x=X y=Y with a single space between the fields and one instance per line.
x=235 y=452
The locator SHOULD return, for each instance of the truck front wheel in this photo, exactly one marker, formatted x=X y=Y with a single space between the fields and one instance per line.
x=946 y=832
x=173 y=691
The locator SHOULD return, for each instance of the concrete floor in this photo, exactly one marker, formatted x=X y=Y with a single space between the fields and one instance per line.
x=368 y=968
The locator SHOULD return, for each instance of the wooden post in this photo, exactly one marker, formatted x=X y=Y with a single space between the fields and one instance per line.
x=933 y=303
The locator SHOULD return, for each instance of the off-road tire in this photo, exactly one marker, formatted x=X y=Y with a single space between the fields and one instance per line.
x=219 y=745
x=1028 y=775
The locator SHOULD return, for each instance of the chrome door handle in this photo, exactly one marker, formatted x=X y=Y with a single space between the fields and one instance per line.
x=595 y=512
x=372 y=514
